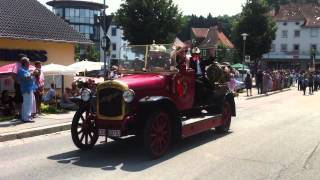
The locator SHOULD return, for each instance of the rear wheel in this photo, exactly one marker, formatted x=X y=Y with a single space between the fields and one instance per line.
x=226 y=119
x=83 y=130
x=157 y=134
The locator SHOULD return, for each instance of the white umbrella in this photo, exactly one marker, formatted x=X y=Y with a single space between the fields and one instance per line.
x=83 y=66
x=57 y=69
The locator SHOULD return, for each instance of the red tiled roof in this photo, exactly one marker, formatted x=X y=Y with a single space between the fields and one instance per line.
x=225 y=41
x=200 y=32
x=214 y=38
x=309 y=13
x=289 y=12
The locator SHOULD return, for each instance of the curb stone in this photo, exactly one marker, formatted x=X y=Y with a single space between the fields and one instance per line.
x=34 y=132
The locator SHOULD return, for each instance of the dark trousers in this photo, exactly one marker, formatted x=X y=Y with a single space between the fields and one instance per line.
x=38 y=97
x=316 y=85
x=303 y=88
x=311 y=89
x=259 y=87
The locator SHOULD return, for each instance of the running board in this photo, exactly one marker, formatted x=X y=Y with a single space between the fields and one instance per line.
x=195 y=126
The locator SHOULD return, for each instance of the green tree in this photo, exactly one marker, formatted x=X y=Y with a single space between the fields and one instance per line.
x=260 y=27
x=146 y=20
x=222 y=53
x=91 y=53
x=77 y=52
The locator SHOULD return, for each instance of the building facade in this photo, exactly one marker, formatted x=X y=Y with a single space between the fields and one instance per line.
x=297 y=36
x=82 y=16
x=117 y=42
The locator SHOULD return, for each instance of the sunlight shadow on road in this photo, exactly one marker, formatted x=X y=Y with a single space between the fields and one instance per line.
x=266 y=95
x=13 y=122
x=128 y=154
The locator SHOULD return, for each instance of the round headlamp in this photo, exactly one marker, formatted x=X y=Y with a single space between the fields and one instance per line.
x=85 y=95
x=128 y=95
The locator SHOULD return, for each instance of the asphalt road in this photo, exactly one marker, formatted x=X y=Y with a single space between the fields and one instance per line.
x=273 y=137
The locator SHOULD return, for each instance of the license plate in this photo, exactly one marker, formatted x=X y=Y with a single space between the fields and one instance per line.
x=114 y=133
x=102 y=132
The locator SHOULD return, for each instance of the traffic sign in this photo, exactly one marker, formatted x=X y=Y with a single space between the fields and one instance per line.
x=105 y=43
x=247 y=59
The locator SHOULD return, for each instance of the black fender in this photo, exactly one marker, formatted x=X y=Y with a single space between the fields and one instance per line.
x=149 y=103
x=163 y=102
x=230 y=98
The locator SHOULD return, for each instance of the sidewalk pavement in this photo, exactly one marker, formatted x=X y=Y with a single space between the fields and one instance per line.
x=44 y=124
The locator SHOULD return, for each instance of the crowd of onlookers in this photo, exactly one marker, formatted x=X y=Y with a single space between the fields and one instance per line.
x=310 y=80
x=268 y=81
x=30 y=93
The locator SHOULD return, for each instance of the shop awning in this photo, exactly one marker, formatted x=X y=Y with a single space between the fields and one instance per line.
x=12 y=68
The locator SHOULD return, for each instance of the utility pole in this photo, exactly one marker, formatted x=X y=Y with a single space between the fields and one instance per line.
x=104 y=36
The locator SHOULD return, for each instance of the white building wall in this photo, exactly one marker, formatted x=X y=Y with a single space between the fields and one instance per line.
x=117 y=42
x=304 y=41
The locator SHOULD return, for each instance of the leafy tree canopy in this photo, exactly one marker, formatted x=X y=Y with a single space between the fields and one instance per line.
x=91 y=53
x=146 y=20
x=260 y=27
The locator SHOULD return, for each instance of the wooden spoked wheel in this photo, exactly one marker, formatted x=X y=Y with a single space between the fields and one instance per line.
x=83 y=130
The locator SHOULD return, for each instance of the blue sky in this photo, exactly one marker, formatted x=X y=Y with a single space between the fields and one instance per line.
x=198 y=7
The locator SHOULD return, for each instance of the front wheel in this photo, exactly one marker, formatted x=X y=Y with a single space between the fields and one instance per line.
x=226 y=119
x=83 y=130
x=157 y=134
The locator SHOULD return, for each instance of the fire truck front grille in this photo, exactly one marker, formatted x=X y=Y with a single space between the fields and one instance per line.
x=110 y=102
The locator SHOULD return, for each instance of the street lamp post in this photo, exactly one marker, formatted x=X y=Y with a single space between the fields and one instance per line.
x=244 y=37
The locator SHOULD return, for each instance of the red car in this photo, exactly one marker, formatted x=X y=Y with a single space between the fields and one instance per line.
x=155 y=99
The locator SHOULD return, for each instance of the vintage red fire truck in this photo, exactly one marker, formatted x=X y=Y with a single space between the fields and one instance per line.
x=154 y=99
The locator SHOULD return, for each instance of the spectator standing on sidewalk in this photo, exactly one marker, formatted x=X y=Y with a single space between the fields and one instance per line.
x=259 y=77
x=304 y=84
x=294 y=78
x=26 y=81
x=316 y=81
x=248 y=84
x=39 y=88
x=310 y=83
x=269 y=82
x=300 y=81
